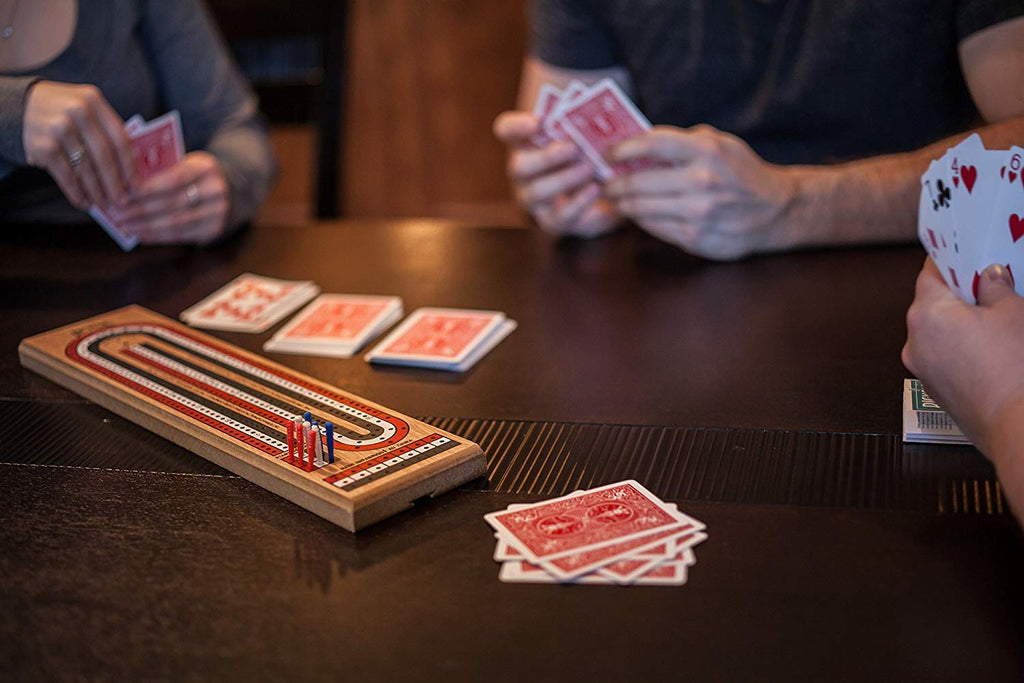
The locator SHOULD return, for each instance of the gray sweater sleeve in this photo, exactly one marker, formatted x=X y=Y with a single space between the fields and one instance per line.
x=218 y=108
x=13 y=90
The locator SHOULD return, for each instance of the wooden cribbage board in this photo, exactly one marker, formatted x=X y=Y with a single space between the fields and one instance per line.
x=231 y=407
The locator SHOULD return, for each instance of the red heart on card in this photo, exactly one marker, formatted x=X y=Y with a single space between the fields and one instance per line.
x=1013 y=176
x=956 y=182
x=969 y=174
x=1016 y=227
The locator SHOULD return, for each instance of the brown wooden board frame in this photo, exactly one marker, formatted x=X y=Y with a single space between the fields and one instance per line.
x=150 y=370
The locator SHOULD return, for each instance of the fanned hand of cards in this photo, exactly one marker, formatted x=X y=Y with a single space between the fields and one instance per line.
x=442 y=339
x=595 y=119
x=616 y=534
x=156 y=146
x=971 y=214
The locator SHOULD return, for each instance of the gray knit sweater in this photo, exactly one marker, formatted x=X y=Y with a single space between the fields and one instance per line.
x=147 y=57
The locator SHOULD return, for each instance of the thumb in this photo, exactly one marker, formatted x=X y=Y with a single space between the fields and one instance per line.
x=995 y=284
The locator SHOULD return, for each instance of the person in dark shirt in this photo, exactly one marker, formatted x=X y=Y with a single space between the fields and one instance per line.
x=71 y=71
x=788 y=123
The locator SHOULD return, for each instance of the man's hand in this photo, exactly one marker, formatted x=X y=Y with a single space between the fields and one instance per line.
x=185 y=204
x=73 y=133
x=553 y=183
x=718 y=199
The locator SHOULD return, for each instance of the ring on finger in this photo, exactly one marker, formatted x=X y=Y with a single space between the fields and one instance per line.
x=192 y=194
x=76 y=156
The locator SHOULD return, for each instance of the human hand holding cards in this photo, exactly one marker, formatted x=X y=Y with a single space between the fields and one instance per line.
x=156 y=146
x=971 y=214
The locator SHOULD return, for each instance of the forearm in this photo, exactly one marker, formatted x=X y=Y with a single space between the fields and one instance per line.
x=13 y=92
x=1006 y=450
x=870 y=200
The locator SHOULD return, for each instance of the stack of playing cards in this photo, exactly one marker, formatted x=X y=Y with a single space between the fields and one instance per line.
x=615 y=534
x=971 y=214
x=595 y=119
x=924 y=421
x=442 y=338
x=250 y=303
x=336 y=325
x=156 y=146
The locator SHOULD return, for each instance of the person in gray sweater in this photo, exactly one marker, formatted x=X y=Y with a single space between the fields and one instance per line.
x=72 y=71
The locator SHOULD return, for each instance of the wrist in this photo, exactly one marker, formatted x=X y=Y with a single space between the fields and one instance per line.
x=794 y=198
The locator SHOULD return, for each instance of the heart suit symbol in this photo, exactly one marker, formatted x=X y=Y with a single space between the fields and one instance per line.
x=969 y=175
x=1016 y=227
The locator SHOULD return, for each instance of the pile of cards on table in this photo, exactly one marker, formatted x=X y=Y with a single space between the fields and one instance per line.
x=250 y=303
x=924 y=421
x=595 y=119
x=616 y=534
x=156 y=146
x=442 y=338
x=336 y=325
x=971 y=214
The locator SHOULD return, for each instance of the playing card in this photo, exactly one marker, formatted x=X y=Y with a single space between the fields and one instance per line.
x=935 y=220
x=673 y=573
x=568 y=567
x=442 y=338
x=547 y=99
x=974 y=172
x=631 y=569
x=1006 y=222
x=601 y=517
x=599 y=119
x=649 y=557
x=336 y=325
x=924 y=421
x=156 y=146
x=249 y=303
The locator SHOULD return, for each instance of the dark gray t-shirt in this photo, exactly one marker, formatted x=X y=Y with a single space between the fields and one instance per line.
x=147 y=57
x=802 y=81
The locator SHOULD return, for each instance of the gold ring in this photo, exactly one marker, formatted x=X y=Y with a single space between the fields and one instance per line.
x=192 y=194
x=76 y=156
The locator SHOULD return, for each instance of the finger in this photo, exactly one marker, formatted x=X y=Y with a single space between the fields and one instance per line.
x=930 y=283
x=121 y=144
x=995 y=284
x=668 y=143
x=102 y=156
x=67 y=181
x=648 y=207
x=568 y=215
x=692 y=178
x=83 y=169
x=185 y=225
x=516 y=127
x=672 y=230
x=550 y=186
x=527 y=164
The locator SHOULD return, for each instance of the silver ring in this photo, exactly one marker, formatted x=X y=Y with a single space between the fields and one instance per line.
x=76 y=156
x=192 y=194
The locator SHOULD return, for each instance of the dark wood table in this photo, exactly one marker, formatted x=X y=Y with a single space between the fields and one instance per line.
x=764 y=397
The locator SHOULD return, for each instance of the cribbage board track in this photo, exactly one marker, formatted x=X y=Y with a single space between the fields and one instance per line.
x=232 y=408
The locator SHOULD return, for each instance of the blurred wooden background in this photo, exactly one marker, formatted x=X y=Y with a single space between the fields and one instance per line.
x=420 y=85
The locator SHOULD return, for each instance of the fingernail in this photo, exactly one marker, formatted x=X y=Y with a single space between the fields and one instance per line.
x=998 y=273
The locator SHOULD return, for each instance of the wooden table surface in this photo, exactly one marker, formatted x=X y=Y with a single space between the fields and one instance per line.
x=764 y=397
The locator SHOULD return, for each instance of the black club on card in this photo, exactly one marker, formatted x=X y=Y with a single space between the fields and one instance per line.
x=943 y=197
